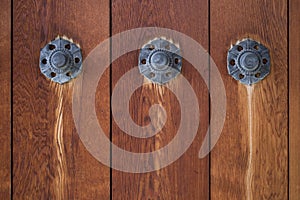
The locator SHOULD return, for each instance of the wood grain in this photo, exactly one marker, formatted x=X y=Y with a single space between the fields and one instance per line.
x=5 y=111
x=250 y=160
x=50 y=162
x=294 y=109
x=186 y=178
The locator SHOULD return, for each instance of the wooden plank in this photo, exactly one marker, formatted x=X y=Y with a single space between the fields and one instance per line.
x=186 y=178
x=250 y=161
x=5 y=112
x=294 y=88
x=50 y=162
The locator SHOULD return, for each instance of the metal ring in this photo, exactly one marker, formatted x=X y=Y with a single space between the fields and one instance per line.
x=160 y=61
x=248 y=62
x=61 y=60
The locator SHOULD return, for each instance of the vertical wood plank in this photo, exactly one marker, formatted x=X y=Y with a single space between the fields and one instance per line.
x=294 y=87
x=5 y=112
x=186 y=178
x=250 y=161
x=50 y=162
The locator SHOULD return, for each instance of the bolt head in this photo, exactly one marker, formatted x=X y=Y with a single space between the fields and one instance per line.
x=159 y=60
x=249 y=61
x=59 y=59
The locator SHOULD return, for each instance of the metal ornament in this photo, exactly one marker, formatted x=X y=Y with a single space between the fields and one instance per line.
x=248 y=62
x=160 y=61
x=61 y=60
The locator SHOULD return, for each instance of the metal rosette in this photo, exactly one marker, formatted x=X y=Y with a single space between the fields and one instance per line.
x=61 y=60
x=160 y=60
x=248 y=62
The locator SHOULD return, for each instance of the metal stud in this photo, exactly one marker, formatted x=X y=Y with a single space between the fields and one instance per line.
x=160 y=61
x=248 y=62
x=61 y=60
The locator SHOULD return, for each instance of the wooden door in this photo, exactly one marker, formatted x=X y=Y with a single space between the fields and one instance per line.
x=256 y=156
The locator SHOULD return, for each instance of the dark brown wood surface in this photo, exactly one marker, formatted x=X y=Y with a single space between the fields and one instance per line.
x=186 y=178
x=5 y=112
x=250 y=160
x=50 y=162
x=294 y=88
